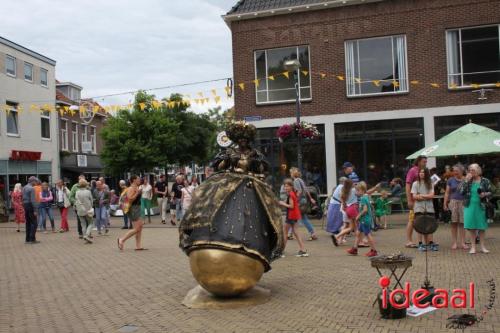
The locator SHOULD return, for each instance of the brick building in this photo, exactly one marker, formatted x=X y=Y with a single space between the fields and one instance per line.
x=380 y=78
x=79 y=140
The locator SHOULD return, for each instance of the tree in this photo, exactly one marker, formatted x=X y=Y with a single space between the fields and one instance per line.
x=145 y=137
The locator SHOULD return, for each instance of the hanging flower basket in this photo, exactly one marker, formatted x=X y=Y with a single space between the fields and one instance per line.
x=304 y=129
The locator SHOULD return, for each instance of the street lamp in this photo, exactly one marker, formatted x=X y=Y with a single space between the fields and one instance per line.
x=293 y=66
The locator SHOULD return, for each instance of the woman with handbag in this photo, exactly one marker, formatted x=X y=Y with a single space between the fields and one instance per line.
x=62 y=201
x=454 y=202
x=133 y=211
x=476 y=191
x=305 y=199
x=422 y=193
x=84 y=208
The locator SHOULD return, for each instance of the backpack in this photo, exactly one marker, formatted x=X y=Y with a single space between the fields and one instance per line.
x=124 y=202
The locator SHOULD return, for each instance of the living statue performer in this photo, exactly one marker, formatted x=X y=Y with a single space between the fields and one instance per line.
x=233 y=229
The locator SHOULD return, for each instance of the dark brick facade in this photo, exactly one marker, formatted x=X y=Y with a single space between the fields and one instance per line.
x=422 y=21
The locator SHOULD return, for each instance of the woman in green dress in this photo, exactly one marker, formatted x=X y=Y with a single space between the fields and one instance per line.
x=476 y=190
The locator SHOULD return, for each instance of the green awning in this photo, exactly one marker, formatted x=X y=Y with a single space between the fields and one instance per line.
x=470 y=139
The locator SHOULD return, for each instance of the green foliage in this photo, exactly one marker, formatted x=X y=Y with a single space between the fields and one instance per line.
x=140 y=139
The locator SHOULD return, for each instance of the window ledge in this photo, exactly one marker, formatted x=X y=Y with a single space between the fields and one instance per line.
x=46 y=139
x=308 y=100
x=462 y=88
x=12 y=135
x=11 y=75
x=29 y=81
x=379 y=94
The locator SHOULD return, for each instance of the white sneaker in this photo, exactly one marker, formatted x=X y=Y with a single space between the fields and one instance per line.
x=302 y=254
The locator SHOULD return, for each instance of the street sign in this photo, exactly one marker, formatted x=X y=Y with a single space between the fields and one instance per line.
x=252 y=118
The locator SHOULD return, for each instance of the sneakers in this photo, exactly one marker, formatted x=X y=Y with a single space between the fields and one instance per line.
x=99 y=232
x=422 y=247
x=106 y=231
x=434 y=247
x=80 y=236
x=353 y=251
x=87 y=240
x=302 y=254
x=371 y=253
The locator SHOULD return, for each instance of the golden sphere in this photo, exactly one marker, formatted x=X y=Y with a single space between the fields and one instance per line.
x=225 y=273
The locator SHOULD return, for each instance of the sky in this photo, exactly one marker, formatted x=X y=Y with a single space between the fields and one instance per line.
x=114 y=46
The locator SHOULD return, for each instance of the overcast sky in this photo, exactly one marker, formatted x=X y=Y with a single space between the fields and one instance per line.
x=111 y=46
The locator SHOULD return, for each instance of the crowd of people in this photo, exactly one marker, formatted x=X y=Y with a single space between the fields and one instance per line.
x=352 y=208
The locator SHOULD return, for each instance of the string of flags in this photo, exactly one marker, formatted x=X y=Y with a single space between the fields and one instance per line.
x=215 y=96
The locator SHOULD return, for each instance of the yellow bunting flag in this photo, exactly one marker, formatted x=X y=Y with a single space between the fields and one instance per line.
x=256 y=82
x=323 y=75
x=66 y=108
x=497 y=85
x=61 y=111
x=34 y=107
x=271 y=77
x=200 y=94
x=475 y=86
x=142 y=106
x=228 y=90
x=286 y=74
x=376 y=83
x=305 y=73
x=357 y=80
x=95 y=109
x=434 y=85
x=214 y=92
x=82 y=109
x=395 y=83
x=453 y=86
x=217 y=99
x=415 y=82
x=156 y=104
x=177 y=103
x=6 y=108
x=20 y=109
x=171 y=104
x=340 y=77
x=242 y=86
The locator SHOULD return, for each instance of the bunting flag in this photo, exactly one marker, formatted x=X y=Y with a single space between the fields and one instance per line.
x=200 y=94
x=475 y=86
x=357 y=80
x=453 y=86
x=286 y=74
x=256 y=82
x=217 y=99
x=214 y=92
x=156 y=104
x=497 y=85
x=395 y=83
x=95 y=109
x=242 y=86
x=376 y=83
x=322 y=75
x=228 y=90
x=271 y=77
x=434 y=85
x=142 y=106
x=414 y=82
x=340 y=77
x=305 y=73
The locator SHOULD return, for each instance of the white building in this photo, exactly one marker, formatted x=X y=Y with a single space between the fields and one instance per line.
x=28 y=137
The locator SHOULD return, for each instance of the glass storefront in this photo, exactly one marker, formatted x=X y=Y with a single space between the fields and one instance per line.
x=378 y=149
x=282 y=156
x=445 y=125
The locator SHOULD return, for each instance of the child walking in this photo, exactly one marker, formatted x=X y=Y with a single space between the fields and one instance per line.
x=292 y=217
x=381 y=209
x=364 y=222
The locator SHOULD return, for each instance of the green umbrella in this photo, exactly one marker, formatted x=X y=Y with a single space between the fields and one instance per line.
x=470 y=139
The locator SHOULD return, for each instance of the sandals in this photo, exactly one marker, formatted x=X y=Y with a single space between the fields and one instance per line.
x=141 y=249
x=120 y=246
x=411 y=246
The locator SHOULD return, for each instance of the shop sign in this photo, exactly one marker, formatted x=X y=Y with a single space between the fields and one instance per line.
x=21 y=155
x=81 y=161
x=252 y=118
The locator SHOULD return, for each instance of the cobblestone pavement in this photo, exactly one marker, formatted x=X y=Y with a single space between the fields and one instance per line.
x=62 y=285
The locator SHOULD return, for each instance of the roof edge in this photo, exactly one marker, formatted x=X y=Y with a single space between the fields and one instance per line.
x=27 y=51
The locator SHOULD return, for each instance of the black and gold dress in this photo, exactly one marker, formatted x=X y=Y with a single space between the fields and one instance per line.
x=235 y=210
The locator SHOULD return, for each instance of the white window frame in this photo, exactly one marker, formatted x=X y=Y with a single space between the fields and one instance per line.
x=461 y=70
x=64 y=134
x=43 y=70
x=45 y=115
x=24 y=72
x=13 y=108
x=85 y=133
x=267 y=76
x=93 y=134
x=404 y=89
x=15 y=65
x=75 y=137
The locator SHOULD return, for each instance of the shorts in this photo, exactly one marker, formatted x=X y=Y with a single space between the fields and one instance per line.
x=411 y=216
x=352 y=211
x=290 y=222
x=457 y=211
x=366 y=229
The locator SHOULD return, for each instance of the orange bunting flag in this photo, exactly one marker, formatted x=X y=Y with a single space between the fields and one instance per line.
x=376 y=83
x=323 y=75
x=497 y=85
x=217 y=99
x=434 y=85
x=242 y=86
x=340 y=77
x=286 y=74
x=415 y=82
x=271 y=77
x=214 y=92
x=305 y=73
x=256 y=82
x=142 y=106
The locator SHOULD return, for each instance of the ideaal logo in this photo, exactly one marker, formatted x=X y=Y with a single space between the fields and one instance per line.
x=420 y=297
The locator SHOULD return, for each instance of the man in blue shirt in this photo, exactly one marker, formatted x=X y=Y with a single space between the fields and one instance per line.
x=30 y=210
x=349 y=172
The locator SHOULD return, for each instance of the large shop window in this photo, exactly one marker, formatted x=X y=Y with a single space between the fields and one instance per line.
x=279 y=88
x=473 y=56
x=12 y=119
x=378 y=149
x=282 y=156
x=376 y=66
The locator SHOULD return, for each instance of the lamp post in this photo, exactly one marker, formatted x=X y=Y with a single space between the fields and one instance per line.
x=293 y=66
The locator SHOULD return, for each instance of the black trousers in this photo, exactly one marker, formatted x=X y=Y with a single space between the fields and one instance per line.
x=31 y=222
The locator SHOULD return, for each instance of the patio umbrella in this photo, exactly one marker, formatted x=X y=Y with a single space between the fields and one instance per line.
x=470 y=139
